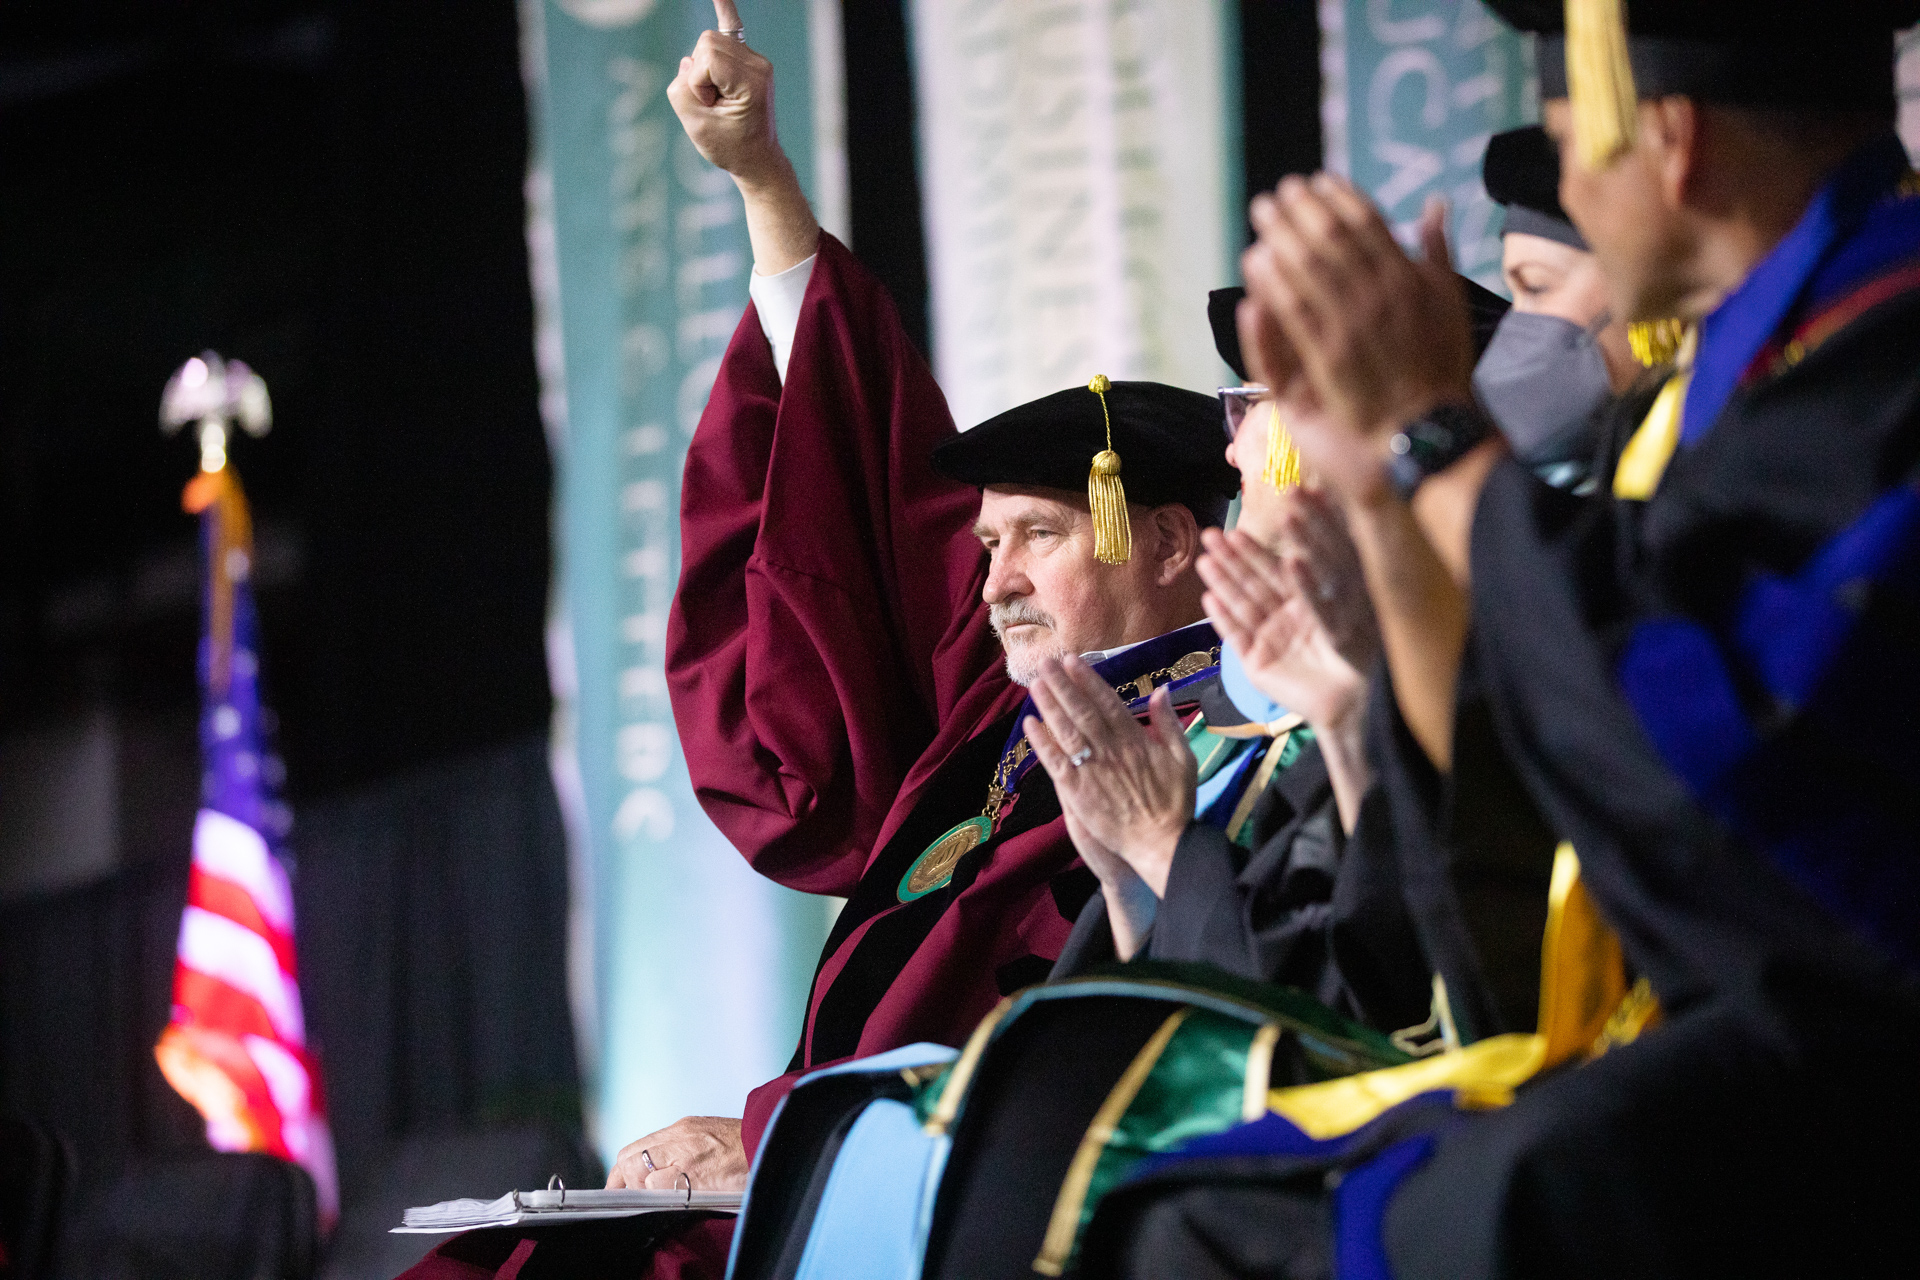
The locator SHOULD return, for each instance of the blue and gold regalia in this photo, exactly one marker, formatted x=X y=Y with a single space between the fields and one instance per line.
x=1705 y=683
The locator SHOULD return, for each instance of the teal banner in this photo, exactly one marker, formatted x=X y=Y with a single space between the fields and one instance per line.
x=695 y=968
x=1412 y=90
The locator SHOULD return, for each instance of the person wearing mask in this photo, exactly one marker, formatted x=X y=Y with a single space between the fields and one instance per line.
x=1560 y=356
x=1705 y=686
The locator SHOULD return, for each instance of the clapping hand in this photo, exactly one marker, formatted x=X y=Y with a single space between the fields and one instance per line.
x=1264 y=605
x=1127 y=789
x=1356 y=338
x=1317 y=554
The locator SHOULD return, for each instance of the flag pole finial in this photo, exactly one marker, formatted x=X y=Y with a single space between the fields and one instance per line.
x=215 y=394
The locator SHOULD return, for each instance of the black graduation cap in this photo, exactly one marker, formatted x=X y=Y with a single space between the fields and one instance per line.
x=1171 y=444
x=1522 y=172
x=1484 y=307
x=1754 y=53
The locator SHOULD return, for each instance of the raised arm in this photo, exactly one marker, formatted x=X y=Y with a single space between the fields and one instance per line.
x=827 y=626
x=724 y=98
x=1359 y=342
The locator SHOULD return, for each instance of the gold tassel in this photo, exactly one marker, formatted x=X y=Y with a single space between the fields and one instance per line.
x=1112 y=530
x=1656 y=342
x=1600 y=81
x=1282 y=469
x=230 y=556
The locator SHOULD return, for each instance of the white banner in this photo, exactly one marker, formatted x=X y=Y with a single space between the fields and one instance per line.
x=1080 y=171
x=1908 y=80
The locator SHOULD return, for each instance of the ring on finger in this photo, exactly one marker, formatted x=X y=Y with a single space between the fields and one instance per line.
x=1080 y=757
x=647 y=1160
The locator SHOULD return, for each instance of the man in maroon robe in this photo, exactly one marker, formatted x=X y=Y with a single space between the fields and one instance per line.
x=848 y=705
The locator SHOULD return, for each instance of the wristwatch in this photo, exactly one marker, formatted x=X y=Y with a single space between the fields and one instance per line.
x=1434 y=443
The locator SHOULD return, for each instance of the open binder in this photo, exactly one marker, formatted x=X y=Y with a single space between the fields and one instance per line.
x=557 y=1205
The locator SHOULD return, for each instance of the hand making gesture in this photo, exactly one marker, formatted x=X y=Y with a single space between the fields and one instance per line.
x=724 y=98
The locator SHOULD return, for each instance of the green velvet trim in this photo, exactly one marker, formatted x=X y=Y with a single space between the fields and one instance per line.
x=1211 y=751
x=1335 y=1046
x=1197 y=1087
x=1296 y=743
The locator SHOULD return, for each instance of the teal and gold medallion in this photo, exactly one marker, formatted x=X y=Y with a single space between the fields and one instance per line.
x=934 y=868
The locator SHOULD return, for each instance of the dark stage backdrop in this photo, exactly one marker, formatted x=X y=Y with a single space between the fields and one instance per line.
x=331 y=191
x=432 y=908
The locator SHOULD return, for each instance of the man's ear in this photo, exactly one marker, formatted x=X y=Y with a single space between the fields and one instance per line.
x=1176 y=543
x=1672 y=126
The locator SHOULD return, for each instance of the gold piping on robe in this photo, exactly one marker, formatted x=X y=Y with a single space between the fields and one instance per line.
x=1260 y=1071
x=1582 y=988
x=954 y=1091
x=1064 y=1225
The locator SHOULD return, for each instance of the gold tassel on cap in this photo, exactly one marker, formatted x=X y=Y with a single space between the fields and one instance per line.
x=1112 y=531
x=1600 y=81
x=1282 y=469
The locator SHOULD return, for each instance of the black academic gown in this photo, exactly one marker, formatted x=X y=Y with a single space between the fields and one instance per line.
x=1759 y=1131
x=1303 y=905
x=1767 y=1126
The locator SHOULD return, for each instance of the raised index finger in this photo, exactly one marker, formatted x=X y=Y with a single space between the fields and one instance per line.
x=726 y=16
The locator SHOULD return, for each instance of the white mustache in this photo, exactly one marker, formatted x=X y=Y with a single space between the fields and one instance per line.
x=1002 y=616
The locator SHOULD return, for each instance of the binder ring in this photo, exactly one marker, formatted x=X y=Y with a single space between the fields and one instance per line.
x=682 y=1173
x=554 y=1183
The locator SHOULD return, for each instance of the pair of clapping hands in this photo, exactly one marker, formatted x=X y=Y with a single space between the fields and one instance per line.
x=1296 y=614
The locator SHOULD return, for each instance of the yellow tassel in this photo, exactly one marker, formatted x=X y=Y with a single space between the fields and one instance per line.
x=1656 y=342
x=1637 y=475
x=1600 y=81
x=1282 y=469
x=232 y=558
x=1112 y=529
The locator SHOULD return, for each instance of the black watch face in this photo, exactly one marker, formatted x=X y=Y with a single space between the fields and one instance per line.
x=1403 y=472
x=1433 y=444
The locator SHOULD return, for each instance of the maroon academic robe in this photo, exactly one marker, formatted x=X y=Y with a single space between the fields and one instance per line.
x=842 y=702
x=828 y=653
x=840 y=697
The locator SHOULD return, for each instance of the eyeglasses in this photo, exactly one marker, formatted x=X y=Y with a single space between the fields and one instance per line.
x=1236 y=401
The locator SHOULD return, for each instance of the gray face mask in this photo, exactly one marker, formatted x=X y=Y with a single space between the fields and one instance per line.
x=1542 y=378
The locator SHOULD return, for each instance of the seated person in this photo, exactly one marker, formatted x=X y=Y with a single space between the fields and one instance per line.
x=1706 y=689
x=865 y=593
x=1279 y=892
x=1559 y=355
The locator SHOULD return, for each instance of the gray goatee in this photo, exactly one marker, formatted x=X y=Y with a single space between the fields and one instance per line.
x=1023 y=662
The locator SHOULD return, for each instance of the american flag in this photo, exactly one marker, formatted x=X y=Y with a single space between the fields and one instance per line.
x=236 y=1046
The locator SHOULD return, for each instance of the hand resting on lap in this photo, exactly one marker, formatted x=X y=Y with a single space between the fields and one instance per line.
x=705 y=1148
